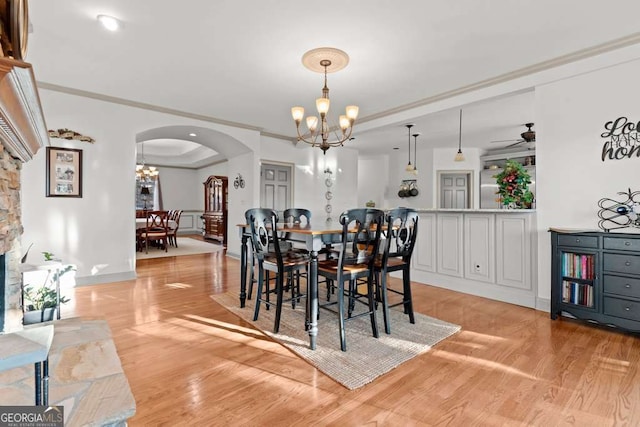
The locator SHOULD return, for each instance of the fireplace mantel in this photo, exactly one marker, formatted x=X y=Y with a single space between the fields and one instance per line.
x=22 y=133
x=22 y=127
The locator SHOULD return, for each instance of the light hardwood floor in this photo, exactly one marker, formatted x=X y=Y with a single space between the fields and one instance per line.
x=191 y=362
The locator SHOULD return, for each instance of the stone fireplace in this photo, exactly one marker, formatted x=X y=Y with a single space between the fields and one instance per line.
x=22 y=133
x=10 y=249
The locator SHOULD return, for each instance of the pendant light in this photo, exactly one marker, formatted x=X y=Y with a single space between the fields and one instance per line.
x=409 y=167
x=459 y=156
x=415 y=152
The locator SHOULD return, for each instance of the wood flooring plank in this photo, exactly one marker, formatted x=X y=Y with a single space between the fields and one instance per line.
x=189 y=361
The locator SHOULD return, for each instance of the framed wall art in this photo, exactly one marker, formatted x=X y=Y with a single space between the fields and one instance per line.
x=64 y=172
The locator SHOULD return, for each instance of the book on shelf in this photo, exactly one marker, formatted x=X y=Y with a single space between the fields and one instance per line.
x=579 y=266
x=577 y=293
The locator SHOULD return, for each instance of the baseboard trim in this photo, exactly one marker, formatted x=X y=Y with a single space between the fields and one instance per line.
x=105 y=278
x=543 y=304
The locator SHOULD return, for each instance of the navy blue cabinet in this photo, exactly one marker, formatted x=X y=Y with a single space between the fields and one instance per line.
x=596 y=277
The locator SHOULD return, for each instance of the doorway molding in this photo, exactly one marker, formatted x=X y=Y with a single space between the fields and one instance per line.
x=290 y=166
x=470 y=173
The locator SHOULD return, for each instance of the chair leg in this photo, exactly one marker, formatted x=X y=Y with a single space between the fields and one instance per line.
x=279 y=292
x=408 y=301
x=385 y=301
x=252 y=278
x=258 y=294
x=343 y=338
x=372 y=307
x=352 y=298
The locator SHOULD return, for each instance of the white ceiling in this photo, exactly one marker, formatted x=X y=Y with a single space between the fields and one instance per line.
x=240 y=61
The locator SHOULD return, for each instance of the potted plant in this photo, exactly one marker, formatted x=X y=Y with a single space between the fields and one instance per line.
x=513 y=186
x=41 y=302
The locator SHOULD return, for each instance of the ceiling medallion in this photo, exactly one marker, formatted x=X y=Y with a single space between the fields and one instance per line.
x=325 y=60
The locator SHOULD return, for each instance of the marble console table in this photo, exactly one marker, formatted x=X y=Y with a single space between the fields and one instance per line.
x=85 y=376
x=29 y=347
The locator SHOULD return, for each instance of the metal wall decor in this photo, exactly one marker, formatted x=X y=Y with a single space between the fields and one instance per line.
x=622 y=139
x=621 y=213
x=238 y=182
x=328 y=195
x=70 y=134
x=408 y=188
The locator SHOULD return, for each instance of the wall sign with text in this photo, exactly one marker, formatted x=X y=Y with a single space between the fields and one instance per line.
x=622 y=139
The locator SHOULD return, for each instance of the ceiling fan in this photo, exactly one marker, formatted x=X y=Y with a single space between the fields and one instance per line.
x=527 y=136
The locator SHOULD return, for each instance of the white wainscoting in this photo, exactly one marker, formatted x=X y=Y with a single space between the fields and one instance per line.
x=450 y=244
x=190 y=222
x=479 y=247
x=424 y=257
x=485 y=253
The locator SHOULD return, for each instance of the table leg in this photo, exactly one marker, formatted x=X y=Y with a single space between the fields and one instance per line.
x=45 y=382
x=312 y=298
x=38 y=383
x=58 y=293
x=243 y=269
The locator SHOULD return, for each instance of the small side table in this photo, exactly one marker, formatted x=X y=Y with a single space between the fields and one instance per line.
x=29 y=346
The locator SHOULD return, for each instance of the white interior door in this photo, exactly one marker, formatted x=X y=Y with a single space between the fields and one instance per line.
x=454 y=191
x=275 y=187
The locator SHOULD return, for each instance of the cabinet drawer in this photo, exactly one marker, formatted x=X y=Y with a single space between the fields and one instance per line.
x=621 y=244
x=622 y=308
x=578 y=241
x=629 y=264
x=624 y=286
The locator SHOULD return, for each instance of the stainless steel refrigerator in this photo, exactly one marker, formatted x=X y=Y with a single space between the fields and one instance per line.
x=489 y=187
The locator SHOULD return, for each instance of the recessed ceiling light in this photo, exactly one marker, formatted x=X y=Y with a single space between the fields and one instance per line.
x=192 y=134
x=109 y=22
x=396 y=148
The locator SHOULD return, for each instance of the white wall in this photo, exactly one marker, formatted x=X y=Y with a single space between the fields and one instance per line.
x=96 y=232
x=180 y=189
x=397 y=173
x=309 y=178
x=373 y=180
x=571 y=177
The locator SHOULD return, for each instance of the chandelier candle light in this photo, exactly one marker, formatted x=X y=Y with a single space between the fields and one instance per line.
x=325 y=60
x=145 y=173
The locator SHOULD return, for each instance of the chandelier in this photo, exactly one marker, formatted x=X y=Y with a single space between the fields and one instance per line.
x=325 y=60
x=145 y=173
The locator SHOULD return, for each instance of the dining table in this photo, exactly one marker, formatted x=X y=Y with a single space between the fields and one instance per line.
x=315 y=237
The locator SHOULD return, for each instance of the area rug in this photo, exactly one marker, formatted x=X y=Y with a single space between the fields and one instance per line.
x=366 y=357
x=186 y=246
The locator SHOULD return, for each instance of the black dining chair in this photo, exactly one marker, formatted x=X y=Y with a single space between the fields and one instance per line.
x=361 y=230
x=264 y=236
x=400 y=239
x=290 y=216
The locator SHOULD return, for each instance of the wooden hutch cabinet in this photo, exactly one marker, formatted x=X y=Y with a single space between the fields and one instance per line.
x=215 y=208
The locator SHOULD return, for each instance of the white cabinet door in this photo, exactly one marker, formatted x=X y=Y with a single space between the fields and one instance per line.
x=513 y=250
x=479 y=247
x=450 y=243
x=424 y=257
